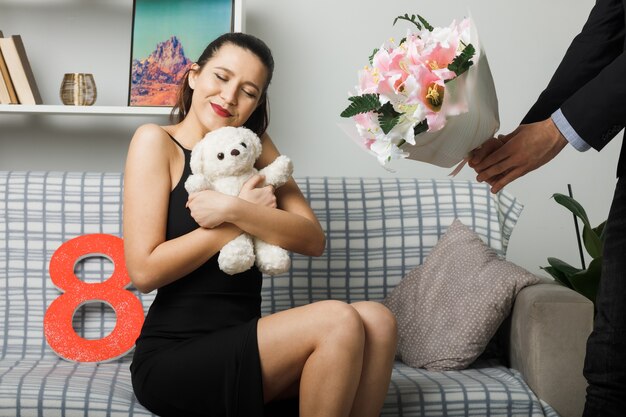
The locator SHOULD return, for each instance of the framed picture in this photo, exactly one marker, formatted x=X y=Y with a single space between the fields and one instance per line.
x=167 y=37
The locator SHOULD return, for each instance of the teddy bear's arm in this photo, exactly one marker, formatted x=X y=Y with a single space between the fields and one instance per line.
x=278 y=172
x=197 y=182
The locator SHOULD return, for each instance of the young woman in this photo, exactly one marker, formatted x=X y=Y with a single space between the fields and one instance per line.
x=204 y=348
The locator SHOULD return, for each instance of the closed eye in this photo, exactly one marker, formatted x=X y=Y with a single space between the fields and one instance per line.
x=249 y=94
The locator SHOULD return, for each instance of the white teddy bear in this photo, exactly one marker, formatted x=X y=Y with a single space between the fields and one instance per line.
x=223 y=161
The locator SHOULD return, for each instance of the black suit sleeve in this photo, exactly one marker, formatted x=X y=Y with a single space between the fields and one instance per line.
x=589 y=86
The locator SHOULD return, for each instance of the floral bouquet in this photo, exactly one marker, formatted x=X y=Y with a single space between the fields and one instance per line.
x=429 y=98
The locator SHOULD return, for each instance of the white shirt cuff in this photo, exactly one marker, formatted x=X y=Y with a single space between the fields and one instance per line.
x=568 y=131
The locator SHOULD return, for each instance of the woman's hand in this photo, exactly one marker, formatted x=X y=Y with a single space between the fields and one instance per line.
x=210 y=208
x=252 y=193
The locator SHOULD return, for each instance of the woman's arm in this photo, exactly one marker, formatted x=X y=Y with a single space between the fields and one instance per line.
x=153 y=262
x=291 y=225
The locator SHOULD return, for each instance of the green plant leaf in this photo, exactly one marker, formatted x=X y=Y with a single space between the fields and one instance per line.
x=463 y=61
x=586 y=282
x=563 y=267
x=388 y=117
x=408 y=19
x=372 y=56
x=573 y=206
x=557 y=275
x=427 y=25
x=599 y=229
x=421 y=127
x=361 y=104
x=592 y=242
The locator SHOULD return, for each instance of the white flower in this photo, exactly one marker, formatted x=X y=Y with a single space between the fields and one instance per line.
x=441 y=36
x=386 y=151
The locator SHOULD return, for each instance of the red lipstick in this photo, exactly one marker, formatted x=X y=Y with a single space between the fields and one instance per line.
x=220 y=111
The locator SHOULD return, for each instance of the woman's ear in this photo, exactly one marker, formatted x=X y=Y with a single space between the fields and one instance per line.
x=193 y=74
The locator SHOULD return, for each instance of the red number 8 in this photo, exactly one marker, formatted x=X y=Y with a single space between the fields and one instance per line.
x=58 y=329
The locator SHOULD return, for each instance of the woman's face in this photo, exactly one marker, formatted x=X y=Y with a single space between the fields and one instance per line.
x=228 y=88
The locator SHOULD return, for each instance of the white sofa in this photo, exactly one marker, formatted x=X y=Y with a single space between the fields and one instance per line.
x=377 y=230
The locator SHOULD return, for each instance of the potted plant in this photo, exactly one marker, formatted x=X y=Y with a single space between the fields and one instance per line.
x=583 y=280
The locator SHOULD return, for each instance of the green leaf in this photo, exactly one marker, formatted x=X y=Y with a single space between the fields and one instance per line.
x=361 y=104
x=592 y=242
x=557 y=275
x=427 y=25
x=372 y=56
x=388 y=118
x=563 y=267
x=421 y=127
x=573 y=206
x=586 y=282
x=463 y=61
x=599 y=229
x=408 y=19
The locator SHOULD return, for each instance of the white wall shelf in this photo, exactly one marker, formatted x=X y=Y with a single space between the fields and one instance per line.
x=83 y=110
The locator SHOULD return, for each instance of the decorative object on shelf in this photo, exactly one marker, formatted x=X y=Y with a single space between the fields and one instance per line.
x=7 y=91
x=167 y=36
x=78 y=89
x=586 y=280
x=19 y=70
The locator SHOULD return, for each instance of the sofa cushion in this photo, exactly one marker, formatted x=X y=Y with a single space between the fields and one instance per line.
x=377 y=230
x=54 y=387
x=449 y=308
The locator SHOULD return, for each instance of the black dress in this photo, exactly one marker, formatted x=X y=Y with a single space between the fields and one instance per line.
x=197 y=354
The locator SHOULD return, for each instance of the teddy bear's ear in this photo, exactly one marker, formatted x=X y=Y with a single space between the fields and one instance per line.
x=255 y=142
x=196 y=161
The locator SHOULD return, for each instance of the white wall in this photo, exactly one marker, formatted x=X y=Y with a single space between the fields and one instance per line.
x=318 y=47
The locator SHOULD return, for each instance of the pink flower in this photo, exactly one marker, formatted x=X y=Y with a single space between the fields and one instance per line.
x=411 y=76
x=368 y=128
x=438 y=59
x=368 y=83
x=387 y=64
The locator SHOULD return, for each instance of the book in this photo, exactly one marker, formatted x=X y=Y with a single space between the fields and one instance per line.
x=7 y=92
x=14 y=54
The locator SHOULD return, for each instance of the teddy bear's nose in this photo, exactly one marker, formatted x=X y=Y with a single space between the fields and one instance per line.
x=234 y=152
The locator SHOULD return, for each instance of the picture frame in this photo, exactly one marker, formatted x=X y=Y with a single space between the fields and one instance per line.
x=167 y=37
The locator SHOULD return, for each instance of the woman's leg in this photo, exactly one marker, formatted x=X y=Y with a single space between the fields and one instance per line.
x=321 y=345
x=381 y=338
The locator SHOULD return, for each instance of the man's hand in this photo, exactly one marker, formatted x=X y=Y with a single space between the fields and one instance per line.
x=525 y=149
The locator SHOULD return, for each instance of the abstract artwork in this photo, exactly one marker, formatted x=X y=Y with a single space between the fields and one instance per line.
x=168 y=36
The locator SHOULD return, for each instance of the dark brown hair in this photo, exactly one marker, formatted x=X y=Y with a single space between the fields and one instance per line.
x=260 y=118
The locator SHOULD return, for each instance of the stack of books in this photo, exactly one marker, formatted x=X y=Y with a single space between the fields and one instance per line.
x=17 y=83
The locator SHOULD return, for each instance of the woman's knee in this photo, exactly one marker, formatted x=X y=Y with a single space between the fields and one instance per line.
x=341 y=321
x=379 y=322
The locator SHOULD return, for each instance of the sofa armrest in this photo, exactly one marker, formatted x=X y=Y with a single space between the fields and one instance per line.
x=550 y=325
